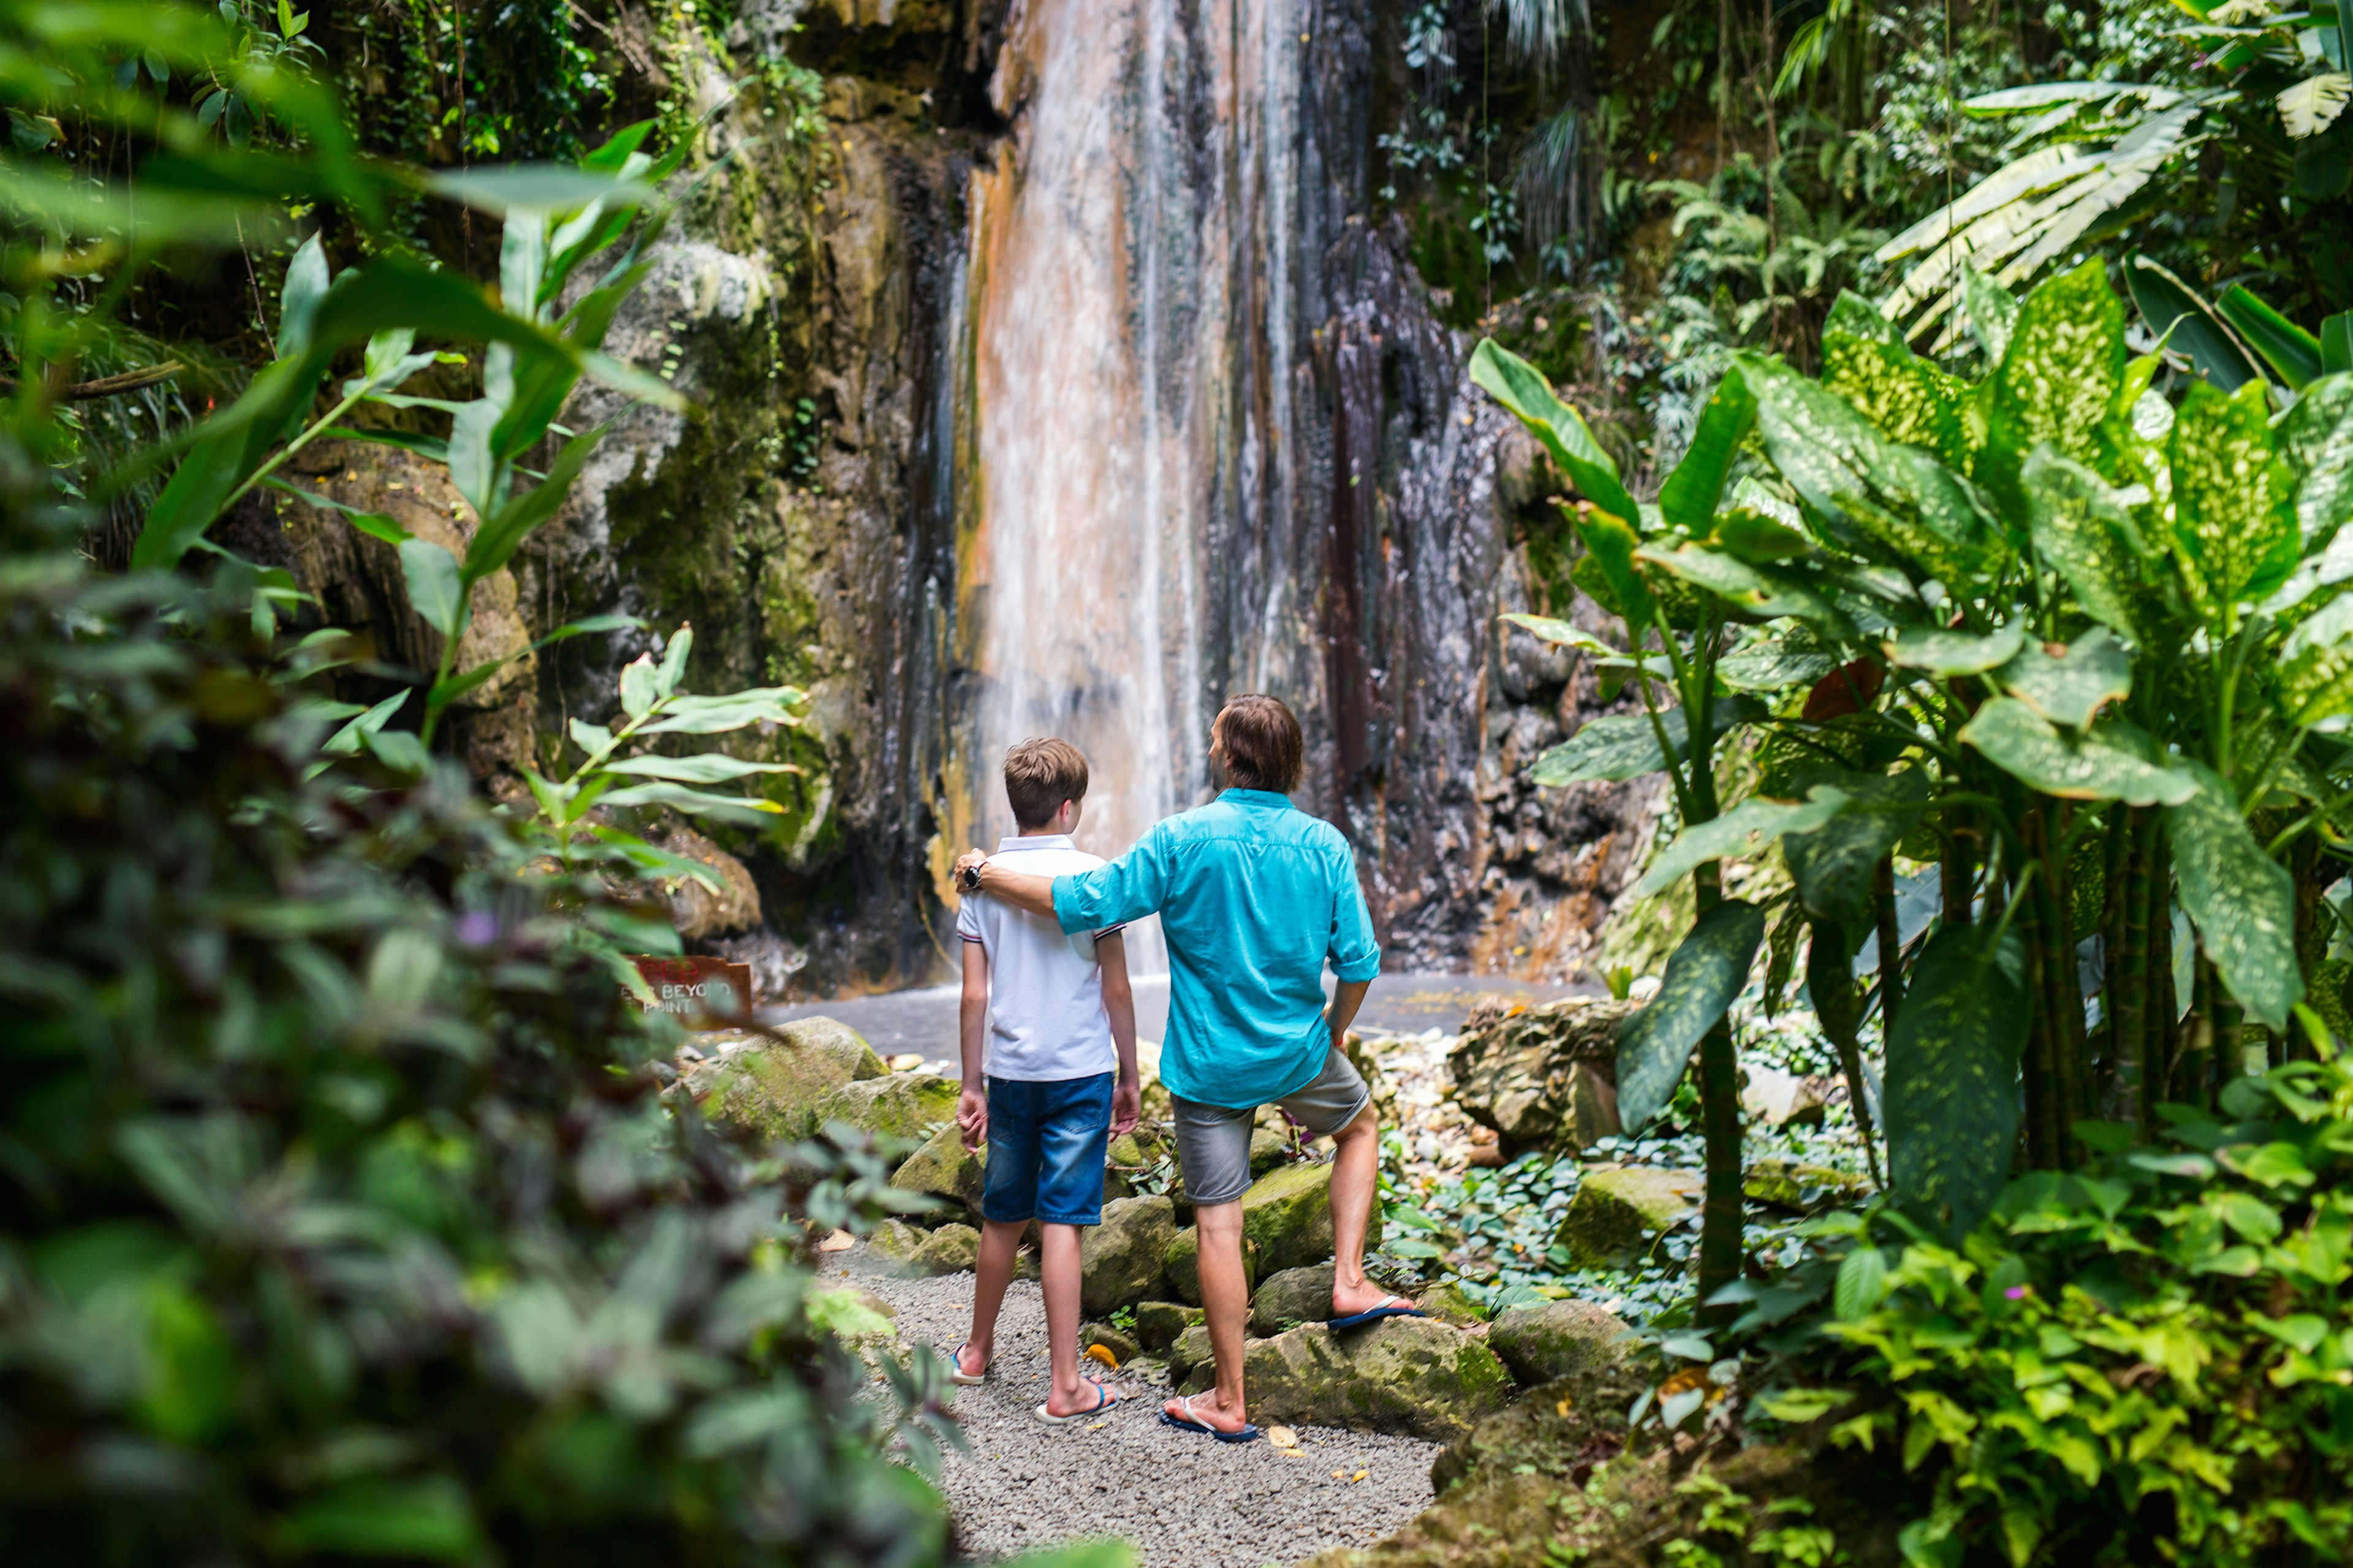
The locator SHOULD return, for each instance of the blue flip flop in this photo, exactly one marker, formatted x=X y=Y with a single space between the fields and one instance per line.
x=1247 y=1434
x=1358 y=1320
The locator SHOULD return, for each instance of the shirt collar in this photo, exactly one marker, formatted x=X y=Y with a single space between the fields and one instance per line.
x=1265 y=799
x=1034 y=841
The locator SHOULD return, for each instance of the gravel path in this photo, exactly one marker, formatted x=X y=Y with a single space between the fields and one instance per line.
x=1186 y=1501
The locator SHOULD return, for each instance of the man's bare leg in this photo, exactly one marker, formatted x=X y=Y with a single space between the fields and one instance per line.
x=991 y=1273
x=1356 y=1181
x=1057 y=1261
x=1225 y=1299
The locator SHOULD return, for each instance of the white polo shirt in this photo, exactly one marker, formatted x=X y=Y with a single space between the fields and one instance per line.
x=1046 y=1018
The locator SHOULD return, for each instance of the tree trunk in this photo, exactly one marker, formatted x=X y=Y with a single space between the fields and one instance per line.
x=1890 y=945
x=1722 y=1217
x=2130 y=1020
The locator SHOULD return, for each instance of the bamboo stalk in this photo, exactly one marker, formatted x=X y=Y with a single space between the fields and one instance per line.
x=2117 y=852
x=1723 y=1217
x=2041 y=1110
x=2164 y=1030
x=1890 y=945
x=2128 y=976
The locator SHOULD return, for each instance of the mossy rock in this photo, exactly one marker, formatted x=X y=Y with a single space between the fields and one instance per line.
x=774 y=1087
x=1407 y=1375
x=1620 y=1211
x=1122 y=1346
x=1120 y=1259
x=1129 y=1156
x=944 y=1169
x=1291 y=1298
x=1267 y=1150
x=1188 y=1353
x=895 y=1241
x=908 y=1106
x=1557 y=1340
x=1448 y=1304
x=1181 y=1264
x=1158 y=1323
x=951 y=1249
x=1800 y=1188
x=1288 y=1214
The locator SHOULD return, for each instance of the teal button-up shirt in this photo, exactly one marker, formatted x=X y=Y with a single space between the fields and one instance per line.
x=1253 y=895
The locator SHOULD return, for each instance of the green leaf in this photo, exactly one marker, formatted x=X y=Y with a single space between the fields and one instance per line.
x=1761 y=591
x=2233 y=521
x=750 y=810
x=536 y=189
x=2084 y=531
x=1688 y=498
x=2022 y=743
x=2337 y=344
x=2243 y=901
x=655 y=860
x=1858 y=480
x=673 y=665
x=1561 y=633
x=500 y=538
x=1704 y=975
x=717 y=715
x=1992 y=312
x=227 y=449
x=1947 y=653
x=1729 y=834
x=638 y=688
x=711 y=767
x=375 y=524
x=348 y=740
x=1609 y=544
x=1772 y=665
x=2314 y=441
x=1866 y=361
x=1833 y=865
x=2058 y=375
x=1862 y=1284
x=1952 y=1074
x=594 y=739
x=2287 y=348
x=2069 y=690
x=1521 y=388
x=1624 y=746
x=2175 y=312
x=298 y=296
x=428 y=1517
x=435 y=588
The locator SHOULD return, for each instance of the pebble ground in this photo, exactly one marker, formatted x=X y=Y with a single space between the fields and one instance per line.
x=1185 y=1502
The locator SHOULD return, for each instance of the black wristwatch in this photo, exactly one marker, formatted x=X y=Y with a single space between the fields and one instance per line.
x=969 y=878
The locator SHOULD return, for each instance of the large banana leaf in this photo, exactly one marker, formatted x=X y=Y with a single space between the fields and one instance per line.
x=1521 y=388
x=1833 y=864
x=1952 y=1074
x=2242 y=900
x=2287 y=348
x=1625 y=746
x=2025 y=744
x=1703 y=977
x=2175 y=312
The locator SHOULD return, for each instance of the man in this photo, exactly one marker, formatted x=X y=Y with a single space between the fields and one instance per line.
x=1254 y=896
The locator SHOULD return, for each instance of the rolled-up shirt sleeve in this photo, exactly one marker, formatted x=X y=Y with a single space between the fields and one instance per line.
x=1354 y=954
x=1129 y=889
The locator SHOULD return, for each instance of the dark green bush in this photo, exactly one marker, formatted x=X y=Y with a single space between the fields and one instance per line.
x=341 y=1211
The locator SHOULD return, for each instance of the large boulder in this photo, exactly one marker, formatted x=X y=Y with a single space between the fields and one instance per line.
x=908 y=1106
x=1542 y=1077
x=1293 y=1297
x=1158 y=1323
x=1120 y=1259
x=1182 y=1264
x=1288 y=1214
x=1407 y=1375
x=1620 y=1211
x=944 y=1169
x=1558 y=1338
x=1188 y=1352
x=1269 y=1149
x=774 y=1087
x=910 y=1250
x=1802 y=1188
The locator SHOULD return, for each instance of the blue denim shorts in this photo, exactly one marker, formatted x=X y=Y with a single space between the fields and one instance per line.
x=1046 y=1144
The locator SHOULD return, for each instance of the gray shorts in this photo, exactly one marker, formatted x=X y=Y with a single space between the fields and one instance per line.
x=1213 y=1141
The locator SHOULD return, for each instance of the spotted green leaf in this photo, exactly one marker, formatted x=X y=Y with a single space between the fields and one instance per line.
x=1773 y=664
x=1992 y=311
x=1624 y=746
x=1947 y=653
x=1767 y=591
x=2023 y=743
x=2233 y=526
x=1704 y=975
x=1561 y=633
x=1952 y=1074
x=2243 y=901
x=2084 y=530
x=2059 y=371
x=1833 y=864
x=1866 y=361
x=2315 y=439
x=2071 y=688
x=1766 y=820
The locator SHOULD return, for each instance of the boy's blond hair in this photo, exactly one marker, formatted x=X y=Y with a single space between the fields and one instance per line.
x=1039 y=775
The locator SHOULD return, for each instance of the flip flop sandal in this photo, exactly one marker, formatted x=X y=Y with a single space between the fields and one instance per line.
x=957 y=1374
x=1247 y=1434
x=1104 y=1400
x=1390 y=1307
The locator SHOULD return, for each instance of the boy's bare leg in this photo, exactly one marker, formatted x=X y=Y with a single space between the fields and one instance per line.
x=1225 y=1299
x=1058 y=1263
x=991 y=1273
x=1356 y=1181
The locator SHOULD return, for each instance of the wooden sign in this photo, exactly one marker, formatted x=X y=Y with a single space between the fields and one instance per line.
x=704 y=993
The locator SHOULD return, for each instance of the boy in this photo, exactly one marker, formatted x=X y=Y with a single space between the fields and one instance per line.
x=1052 y=1016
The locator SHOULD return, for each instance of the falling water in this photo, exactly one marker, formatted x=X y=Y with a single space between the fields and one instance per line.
x=1130 y=285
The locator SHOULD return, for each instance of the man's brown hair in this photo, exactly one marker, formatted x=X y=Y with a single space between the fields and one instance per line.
x=1262 y=746
x=1039 y=775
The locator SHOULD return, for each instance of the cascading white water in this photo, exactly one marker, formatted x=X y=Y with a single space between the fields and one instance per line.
x=1130 y=301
